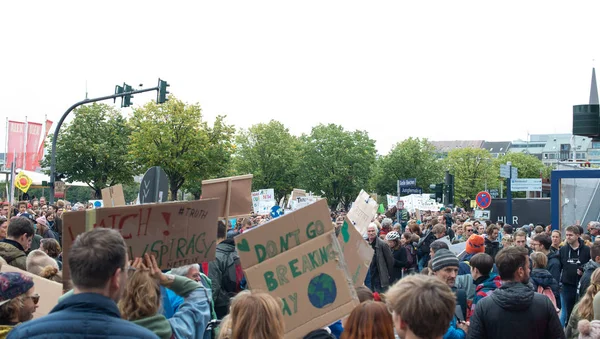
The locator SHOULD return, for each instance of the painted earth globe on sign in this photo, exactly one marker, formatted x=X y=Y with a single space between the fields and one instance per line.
x=322 y=290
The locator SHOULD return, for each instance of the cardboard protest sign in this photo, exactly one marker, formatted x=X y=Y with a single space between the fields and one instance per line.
x=297 y=258
x=234 y=194
x=263 y=201
x=113 y=196
x=177 y=233
x=363 y=211
x=255 y=201
x=48 y=290
x=296 y=193
x=357 y=252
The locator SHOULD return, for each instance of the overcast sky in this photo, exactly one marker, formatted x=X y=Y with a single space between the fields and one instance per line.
x=444 y=70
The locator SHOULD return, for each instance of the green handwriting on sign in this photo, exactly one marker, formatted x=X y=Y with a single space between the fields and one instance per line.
x=179 y=251
x=296 y=267
x=273 y=248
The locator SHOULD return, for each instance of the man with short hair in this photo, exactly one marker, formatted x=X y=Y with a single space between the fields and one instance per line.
x=514 y=310
x=98 y=262
x=521 y=240
x=492 y=245
x=409 y=294
x=483 y=278
x=42 y=201
x=382 y=263
x=18 y=300
x=18 y=241
x=444 y=265
x=172 y=301
x=5 y=209
x=573 y=256
x=589 y=268
x=542 y=243
x=223 y=272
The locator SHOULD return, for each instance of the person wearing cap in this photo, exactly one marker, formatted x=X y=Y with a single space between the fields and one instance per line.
x=18 y=300
x=474 y=245
x=444 y=266
x=18 y=240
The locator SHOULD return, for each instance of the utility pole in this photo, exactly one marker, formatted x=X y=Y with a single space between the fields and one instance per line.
x=125 y=92
x=509 y=195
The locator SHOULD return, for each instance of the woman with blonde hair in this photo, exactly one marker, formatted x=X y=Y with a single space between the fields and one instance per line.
x=140 y=302
x=253 y=315
x=584 y=309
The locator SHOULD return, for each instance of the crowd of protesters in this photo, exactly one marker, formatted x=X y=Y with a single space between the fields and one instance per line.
x=441 y=274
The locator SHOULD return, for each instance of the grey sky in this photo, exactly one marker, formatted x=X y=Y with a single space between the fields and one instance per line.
x=438 y=69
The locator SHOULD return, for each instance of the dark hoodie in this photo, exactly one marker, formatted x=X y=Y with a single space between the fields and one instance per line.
x=554 y=265
x=219 y=272
x=584 y=283
x=515 y=311
x=541 y=277
x=571 y=260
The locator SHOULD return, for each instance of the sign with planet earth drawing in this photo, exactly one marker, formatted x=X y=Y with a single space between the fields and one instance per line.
x=298 y=259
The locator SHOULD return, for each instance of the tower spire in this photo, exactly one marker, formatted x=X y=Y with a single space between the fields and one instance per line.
x=594 y=89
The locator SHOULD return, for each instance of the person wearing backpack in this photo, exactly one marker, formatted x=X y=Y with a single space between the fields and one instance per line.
x=484 y=279
x=225 y=272
x=432 y=234
x=399 y=254
x=589 y=268
x=411 y=253
x=542 y=279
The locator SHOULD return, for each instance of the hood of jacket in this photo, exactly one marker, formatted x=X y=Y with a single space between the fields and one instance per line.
x=490 y=284
x=226 y=246
x=157 y=324
x=513 y=296
x=542 y=277
x=553 y=256
x=591 y=266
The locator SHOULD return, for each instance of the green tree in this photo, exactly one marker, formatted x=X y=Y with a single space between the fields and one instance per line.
x=412 y=158
x=336 y=162
x=473 y=170
x=270 y=153
x=174 y=137
x=93 y=148
x=529 y=166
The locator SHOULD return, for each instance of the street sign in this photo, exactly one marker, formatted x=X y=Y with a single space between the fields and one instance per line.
x=410 y=190
x=515 y=172
x=482 y=215
x=483 y=200
x=412 y=182
x=154 y=186
x=525 y=185
x=504 y=171
x=494 y=193
x=400 y=204
x=23 y=182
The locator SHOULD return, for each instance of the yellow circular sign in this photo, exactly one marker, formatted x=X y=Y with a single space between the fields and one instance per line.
x=22 y=182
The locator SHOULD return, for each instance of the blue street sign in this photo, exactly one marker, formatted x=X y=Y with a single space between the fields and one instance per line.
x=410 y=190
x=412 y=182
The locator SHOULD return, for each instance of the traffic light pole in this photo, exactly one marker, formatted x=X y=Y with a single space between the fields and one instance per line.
x=509 y=217
x=62 y=119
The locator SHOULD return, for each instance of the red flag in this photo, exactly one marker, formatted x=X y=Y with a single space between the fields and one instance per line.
x=40 y=153
x=34 y=132
x=16 y=143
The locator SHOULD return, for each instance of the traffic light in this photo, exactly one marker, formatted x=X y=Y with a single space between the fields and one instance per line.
x=439 y=192
x=161 y=96
x=118 y=90
x=449 y=181
x=127 y=97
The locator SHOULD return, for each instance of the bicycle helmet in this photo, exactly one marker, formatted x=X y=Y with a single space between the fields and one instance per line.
x=393 y=235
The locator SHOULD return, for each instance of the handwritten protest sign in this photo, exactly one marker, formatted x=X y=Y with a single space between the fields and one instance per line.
x=296 y=193
x=113 y=196
x=263 y=201
x=357 y=252
x=234 y=194
x=49 y=291
x=178 y=233
x=363 y=211
x=297 y=258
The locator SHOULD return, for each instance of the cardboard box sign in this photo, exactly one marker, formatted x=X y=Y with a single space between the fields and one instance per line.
x=297 y=258
x=312 y=282
x=357 y=252
x=177 y=233
x=283 y=233
x=113 y=196
x=48 y=290
x=234 y=192
x=363 y=210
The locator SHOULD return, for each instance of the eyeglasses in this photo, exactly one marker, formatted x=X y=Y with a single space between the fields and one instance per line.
x=35 y=298
x=469 y=230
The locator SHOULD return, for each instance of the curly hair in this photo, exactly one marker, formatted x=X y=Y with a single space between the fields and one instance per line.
x=141 y=298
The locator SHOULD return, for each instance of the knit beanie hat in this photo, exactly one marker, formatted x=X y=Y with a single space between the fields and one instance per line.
x=589 y=330
x=12 y=285
x=475 y=244
x=443 y=258
x=37 y=260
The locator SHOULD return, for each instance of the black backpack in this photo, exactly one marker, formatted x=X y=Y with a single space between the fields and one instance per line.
x=233 y=275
